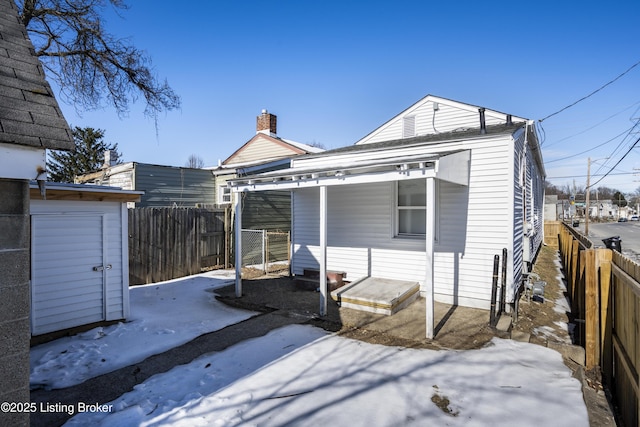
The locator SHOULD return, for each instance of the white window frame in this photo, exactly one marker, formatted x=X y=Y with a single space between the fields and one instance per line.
x=224 y=195
x=397 y=209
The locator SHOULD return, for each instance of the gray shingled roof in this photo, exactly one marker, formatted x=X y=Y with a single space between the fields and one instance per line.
x=29 y=112
x=461 y=134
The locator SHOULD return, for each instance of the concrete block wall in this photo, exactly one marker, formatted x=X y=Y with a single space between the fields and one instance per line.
x=14 y=298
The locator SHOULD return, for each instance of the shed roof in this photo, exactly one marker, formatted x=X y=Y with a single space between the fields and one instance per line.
x=85 y=192
x=29 y=112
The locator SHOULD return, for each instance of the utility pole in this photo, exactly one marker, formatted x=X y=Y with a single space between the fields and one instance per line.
x=588 y=190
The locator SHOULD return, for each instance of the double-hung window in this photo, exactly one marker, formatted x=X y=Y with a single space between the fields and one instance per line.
x=224 y=195
x=411 y=208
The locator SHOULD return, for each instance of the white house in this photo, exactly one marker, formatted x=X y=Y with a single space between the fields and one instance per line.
x=430 y=196
x=79 y=256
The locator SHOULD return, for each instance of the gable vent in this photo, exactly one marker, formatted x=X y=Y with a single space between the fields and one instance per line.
x=409 y=126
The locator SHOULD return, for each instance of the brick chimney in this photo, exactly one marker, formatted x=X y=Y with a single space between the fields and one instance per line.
x=266 y=123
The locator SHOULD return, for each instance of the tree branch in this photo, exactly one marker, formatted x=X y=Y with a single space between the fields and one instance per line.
x=90 y=65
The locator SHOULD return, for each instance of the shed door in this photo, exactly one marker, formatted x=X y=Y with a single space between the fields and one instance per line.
x=66 y=289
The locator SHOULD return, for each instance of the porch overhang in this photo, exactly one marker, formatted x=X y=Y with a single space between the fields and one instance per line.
x=451 y=166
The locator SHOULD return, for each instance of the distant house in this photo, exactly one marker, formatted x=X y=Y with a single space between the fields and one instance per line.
x=30 y=123
x=79 y=256
x=264 y=152
x=172 y=186
x=163 y=186
x=429 y=196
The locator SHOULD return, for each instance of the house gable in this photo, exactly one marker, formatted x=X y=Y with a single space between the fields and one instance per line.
x=434 y=115
x=263 y=147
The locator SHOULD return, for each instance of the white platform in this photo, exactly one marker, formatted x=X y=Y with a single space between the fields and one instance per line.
x=376 y=295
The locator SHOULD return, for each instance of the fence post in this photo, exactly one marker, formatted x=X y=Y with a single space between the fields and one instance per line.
x=604 y=257
x=264 y=247
x=289 y=252
x=592 y=309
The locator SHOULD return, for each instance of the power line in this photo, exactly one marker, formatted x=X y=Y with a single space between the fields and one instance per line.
x=592 y=127
x=617 y=163
x=592 y=175
x=614 y=153
x=591 y=94
x=593 y=148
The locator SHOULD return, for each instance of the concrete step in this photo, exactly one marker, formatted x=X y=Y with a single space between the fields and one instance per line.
x=377 y=295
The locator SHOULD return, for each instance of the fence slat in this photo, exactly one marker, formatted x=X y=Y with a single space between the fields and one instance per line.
x=167 y=243
x=604 y=286
x=591 y=310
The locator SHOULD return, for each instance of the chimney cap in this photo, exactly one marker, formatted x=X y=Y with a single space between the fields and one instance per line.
x=264 y=111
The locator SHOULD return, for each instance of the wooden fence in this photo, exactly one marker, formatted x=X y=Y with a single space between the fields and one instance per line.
x=604 y=287
x=166 y=243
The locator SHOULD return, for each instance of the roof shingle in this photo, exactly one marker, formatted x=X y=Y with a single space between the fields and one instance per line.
x=30 y=114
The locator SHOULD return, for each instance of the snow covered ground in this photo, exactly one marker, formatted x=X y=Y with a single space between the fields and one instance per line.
x=301 y=375
x=163 y=316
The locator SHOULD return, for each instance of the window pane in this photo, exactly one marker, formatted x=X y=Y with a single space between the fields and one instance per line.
x=412 y=221
x=412 y=193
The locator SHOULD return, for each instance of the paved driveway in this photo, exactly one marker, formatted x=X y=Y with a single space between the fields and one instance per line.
x=629 y=233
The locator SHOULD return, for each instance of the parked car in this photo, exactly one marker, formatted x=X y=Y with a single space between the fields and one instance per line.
x=634 y=218
x=576 y=223
x=623 y=219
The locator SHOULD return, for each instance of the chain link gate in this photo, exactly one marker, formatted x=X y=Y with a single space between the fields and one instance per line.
x=262 y=249
x=253 y=249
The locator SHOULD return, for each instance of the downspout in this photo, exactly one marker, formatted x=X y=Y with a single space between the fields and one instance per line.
x=493 y=320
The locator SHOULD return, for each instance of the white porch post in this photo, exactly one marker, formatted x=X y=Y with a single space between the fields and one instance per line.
x=323 y=250
x=430 y=234
x=237 y=207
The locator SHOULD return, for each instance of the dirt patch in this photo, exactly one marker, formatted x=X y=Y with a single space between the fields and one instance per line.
x=546 y=320
x=456 y=328
x=443 y=403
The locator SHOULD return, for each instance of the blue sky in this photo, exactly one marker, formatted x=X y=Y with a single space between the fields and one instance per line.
x=333 y=71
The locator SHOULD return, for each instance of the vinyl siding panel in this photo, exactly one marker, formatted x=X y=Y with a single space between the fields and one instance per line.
x=166 y=186
x=428 y=121
x=261 y=148
x=473 y=224
x=267 y=210
x=519 y=217
x=67 y=242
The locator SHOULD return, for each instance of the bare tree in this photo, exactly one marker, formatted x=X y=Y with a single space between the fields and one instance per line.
x=195 y=162
x=89 y=64
x=605 y=192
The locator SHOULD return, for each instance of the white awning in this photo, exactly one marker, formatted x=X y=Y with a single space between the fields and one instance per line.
x=452 y=167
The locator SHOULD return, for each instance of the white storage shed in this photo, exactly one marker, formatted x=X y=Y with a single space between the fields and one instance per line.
x=79 y=256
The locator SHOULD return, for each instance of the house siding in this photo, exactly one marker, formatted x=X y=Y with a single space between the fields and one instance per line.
x=449 y=116
x=167 y=186
x=262 y=148
x=267 y=210
x=59 y=234
x=475 y=220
